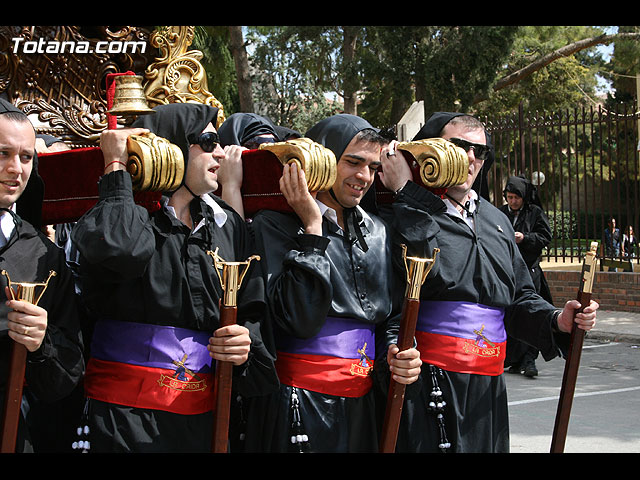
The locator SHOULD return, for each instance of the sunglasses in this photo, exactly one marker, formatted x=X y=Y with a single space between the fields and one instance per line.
x=208 y=141
x=481 y=152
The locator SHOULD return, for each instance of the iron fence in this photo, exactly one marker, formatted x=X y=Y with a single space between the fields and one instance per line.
x=585 y=163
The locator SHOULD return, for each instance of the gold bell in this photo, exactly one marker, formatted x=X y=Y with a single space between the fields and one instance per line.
x=129 y=97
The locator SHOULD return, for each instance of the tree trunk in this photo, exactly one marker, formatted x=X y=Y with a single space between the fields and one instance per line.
x=350 y=83
x=242 y=69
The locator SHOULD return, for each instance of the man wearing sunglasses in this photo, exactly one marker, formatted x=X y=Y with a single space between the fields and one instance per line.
x=478 y=291
x=151 y=287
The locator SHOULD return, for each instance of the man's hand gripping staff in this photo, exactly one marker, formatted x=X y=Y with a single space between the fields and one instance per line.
x=417 y=271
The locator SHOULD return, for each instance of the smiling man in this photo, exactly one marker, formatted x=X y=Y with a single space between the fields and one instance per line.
x=335 y=302
x=152 y=290
x=478 y=291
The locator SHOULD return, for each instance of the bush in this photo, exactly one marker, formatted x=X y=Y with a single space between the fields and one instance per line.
x=563 y=224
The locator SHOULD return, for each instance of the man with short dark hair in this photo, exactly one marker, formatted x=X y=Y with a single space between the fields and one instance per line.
x=50 y=330
x=335 y=302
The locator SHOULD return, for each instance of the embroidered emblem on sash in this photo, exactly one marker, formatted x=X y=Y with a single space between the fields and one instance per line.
x=481 y=345
x=364 y=366
x=183 y=379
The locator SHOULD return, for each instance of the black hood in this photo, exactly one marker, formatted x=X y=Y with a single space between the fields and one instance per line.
x=337 y=131
x=433 y=129
x=179 y=123
x=241 y=127
x=522 y=187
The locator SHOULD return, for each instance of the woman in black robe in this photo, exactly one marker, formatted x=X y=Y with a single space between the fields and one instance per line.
x=150 y=284
x=533 y=234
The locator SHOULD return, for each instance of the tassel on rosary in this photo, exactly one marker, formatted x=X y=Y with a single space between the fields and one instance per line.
x=299 y=439
x=437 y=406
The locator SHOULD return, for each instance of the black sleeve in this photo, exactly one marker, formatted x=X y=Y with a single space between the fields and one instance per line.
x=410 y=217
x=538 y=237
x=531 y=319
x=115 y=237
x=57 y=366
x=257 y=376
x=299 y=289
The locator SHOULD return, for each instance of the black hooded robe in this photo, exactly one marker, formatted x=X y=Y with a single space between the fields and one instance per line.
x=312 y=279
x=143 y=272
x=532 y=222
x=54 y=370
x=484 y=271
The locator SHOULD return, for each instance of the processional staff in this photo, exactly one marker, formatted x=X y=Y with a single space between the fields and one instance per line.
x=573 y=356
x=230 y=276
x=25 y=292
x=417 y=270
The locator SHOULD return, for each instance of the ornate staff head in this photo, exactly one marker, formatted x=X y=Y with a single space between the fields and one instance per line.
x=27 y=291
x=231 y=275
x=588 y=268
x=417 y=271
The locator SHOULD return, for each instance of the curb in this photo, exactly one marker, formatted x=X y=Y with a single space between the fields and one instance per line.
x=613 y=337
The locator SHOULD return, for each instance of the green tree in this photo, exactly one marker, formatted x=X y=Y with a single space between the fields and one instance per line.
x=213 y=42
x=567 y=82
x=624 y=66
x=291 y=74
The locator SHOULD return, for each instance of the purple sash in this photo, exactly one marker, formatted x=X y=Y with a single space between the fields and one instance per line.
x=338 y=337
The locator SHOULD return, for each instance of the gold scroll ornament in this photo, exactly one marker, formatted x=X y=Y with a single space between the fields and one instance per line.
x=442 y=164
x=317 y=161
x=155 y=164
x=25 y=291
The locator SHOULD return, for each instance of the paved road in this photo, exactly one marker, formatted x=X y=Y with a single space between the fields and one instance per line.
x=605 y=416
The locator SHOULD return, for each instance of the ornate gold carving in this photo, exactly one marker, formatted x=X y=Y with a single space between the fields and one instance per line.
x=317 y=161
x=63 y=91
x=442 y=164
x=177 y=75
